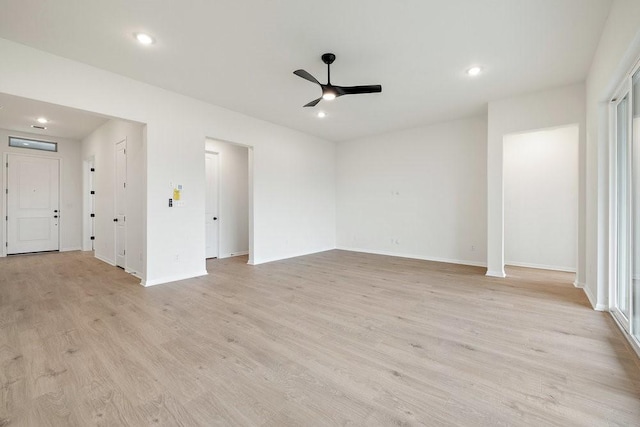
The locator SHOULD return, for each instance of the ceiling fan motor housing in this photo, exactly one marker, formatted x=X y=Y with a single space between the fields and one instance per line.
x=328 y=58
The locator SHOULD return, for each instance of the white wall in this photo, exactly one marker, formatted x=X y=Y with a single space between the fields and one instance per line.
x=618 y=49
x=549 y=108
x=70 y=184
x=541 y=199
x=233 y=197
x=418 y=193
x=294 y=174
x=100 y=145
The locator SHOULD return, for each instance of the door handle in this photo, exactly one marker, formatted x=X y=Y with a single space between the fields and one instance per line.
x=215 y=218
x=55 y=211
x=55 y=216
x=115 y=219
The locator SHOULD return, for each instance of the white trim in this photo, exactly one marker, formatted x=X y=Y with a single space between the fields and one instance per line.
x=593 y=300
x=578 y=284
x=103 y=259
x=169 y=279
x=500 y=274
x=541 y=266
x=234 y=254
x=73 y=248
x=412 y=256
x=134 y=273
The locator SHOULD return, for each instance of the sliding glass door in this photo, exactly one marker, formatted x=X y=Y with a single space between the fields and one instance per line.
x=634 y=291
x=625 y=304
x=621 y=295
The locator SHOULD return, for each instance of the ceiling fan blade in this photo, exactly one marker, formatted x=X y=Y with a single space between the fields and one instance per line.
x=313 y=103
x=354 y=90
x=305 y=75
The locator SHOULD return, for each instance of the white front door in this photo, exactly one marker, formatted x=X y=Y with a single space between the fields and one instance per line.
x=120 y=202
x=211 y=205
x=32 y=204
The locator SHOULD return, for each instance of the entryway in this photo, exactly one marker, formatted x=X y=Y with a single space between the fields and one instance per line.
x=33 y=199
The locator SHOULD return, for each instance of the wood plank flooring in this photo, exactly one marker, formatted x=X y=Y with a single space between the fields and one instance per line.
x=336 y=338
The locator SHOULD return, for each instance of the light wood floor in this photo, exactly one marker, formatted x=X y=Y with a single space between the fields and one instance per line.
x=336 y=338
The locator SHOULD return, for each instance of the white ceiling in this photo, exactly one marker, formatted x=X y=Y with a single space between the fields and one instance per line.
x=241 y=54
x=18 y=114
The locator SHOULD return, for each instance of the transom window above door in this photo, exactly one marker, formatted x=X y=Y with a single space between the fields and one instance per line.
x=32 y=144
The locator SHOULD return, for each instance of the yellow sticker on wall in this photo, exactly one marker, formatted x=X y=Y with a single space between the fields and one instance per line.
x=176 y=194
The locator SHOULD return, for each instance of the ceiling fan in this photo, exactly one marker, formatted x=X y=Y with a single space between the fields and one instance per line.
x=330 y=91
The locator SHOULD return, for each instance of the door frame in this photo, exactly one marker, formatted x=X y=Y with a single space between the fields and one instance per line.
x=250 y=179
x=5 y=177
x=219 y=184
x=625 y=90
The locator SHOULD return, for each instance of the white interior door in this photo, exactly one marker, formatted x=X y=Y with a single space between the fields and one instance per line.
x=32 y=204
x=211 y=204
x=120 y=202
x=92 y=203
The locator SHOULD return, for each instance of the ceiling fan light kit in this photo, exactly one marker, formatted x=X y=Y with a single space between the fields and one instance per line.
x=329 y=91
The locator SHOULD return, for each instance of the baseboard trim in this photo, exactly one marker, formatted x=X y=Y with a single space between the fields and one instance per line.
x=411 y=256
x=169 y=279
x=108 y=261
x=493 y=273
x=541 y=266
x=74 y=248
x=234 y=254
x=578 y=285
x=134 y=274
x=593 y=301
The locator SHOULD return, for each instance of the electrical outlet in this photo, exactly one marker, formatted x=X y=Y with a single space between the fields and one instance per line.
x=473 y=248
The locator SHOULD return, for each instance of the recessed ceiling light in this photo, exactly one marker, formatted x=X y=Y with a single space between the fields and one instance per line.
x=144 y=39
x=322 y=114
x=474 y=71
x=42 y=120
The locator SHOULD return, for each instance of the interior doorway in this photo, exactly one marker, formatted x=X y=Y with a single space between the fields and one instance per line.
x=228 y=199
x=541 y=198
x=33 y=199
